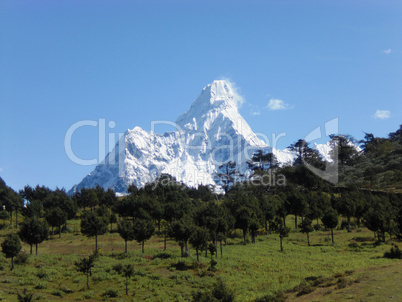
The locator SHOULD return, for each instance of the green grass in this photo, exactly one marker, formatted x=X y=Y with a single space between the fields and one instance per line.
x=252 y=271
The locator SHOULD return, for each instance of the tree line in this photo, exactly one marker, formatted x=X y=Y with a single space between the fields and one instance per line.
x=199 y=218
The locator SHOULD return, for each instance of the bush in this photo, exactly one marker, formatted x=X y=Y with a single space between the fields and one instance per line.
x=25 y=296
x=220 y=292
x=41 y=285
x=279 y=297
x=110 y=293
x=394 y=253
x=21 y=258
x=163 y=255
x=58 y=293
x=118 y=268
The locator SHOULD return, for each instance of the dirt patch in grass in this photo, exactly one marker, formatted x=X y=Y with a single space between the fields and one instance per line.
x=371 y=284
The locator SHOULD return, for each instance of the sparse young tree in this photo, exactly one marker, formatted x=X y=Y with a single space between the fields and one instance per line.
x=128 y=272
x=306 y=228
x=181 y=230
x=283 y=232
x=11 y=246
x=199 y=239
x=143 y=230
x=93 y=225
x=56 y=217
x=126 y=231
x=330 y=220
x=85 y=265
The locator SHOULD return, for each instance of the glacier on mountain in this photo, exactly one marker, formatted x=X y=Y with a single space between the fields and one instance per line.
x=209 y=134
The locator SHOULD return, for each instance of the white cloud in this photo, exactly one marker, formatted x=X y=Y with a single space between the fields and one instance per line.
x=1 y=169
x=275 y=104
x=255 y=112
x=236 y=91
x=387 y=51
x=382 y=114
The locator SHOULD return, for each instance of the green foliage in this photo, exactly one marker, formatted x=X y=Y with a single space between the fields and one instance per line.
x=21 y=258
x=25 y=296
x=220 y=292
x=110 y=293
x=93 y=225
x=394 y=253
x=11 y=246
x=33 y=231
x=143 y=230
x=85 y=265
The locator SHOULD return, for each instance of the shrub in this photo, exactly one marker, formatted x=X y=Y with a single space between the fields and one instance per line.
x=394 y=253
x=220 y=292
x=162 y=255
x=42 y=274
x=279 y=297
x=25 y=296
x=118 y=268
x=88 y=295
x=41 y=285
x=21 y=258
x=110 y=293
x=58 y=293
x=66 y=290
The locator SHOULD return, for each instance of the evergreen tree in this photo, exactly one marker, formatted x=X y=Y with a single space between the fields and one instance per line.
x=126 y=231
x=56 y=218
x=11 y=246
x=85 y=265
x=33 y=231
x=306 y=228
x=330 y=220
x=143 y=230
x=199 y=239
x=128 y=272
x=93 y=225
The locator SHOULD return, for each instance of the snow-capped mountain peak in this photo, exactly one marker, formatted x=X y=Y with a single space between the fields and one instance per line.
x=209 y=134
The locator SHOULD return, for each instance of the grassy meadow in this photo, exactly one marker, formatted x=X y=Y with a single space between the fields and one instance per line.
x=251 y=271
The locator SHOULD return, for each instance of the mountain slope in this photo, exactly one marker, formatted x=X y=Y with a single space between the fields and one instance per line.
x=209 y=134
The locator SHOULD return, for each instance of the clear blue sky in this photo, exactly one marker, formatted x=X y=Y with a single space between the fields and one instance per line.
x=133 y=62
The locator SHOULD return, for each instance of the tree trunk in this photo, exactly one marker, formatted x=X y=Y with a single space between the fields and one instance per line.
x=125 y=242
x=11 y=219
x=36 y=249
x=60 y=231
x=12 y=262
x=31 y=249
x=221 y=247
x=88 y=280
x=244 y=237
x=143 y=243
x=295 y=221
x=182 y=250
x=308 y=239
x=127 y=285
x=96 y=243
x=284 y=221
x=281 y=243
x=348 y=227
x=164 y=242
x=16 y=219
x=198 y=258
x=206 y=252
x=332 y=235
